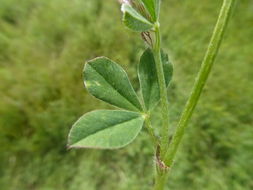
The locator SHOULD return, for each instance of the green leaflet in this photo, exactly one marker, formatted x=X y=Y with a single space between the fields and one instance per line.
x=107 y=81
x=148 y=77
x=105 y=129
x=135 y=21
x=150 y=5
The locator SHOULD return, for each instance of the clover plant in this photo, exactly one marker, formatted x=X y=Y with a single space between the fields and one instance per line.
x=107 y=81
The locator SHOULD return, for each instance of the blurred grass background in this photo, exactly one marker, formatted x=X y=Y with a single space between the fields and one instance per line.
x=43 y=45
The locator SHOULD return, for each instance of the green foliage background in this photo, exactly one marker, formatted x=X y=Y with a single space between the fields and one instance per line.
x=43 y=45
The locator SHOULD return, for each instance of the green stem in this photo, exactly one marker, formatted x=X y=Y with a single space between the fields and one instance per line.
x=201 y=79
x=151 y=130
x=160 y=180
x=163 y=92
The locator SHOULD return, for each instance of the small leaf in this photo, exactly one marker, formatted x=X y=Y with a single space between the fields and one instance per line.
x=105 y=129
x=148 y=77
x=107 y=81
x=150 y=5
x=133 y=20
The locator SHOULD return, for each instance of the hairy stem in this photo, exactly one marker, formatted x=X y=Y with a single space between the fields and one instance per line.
x=163 y=91
x=201 y=79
